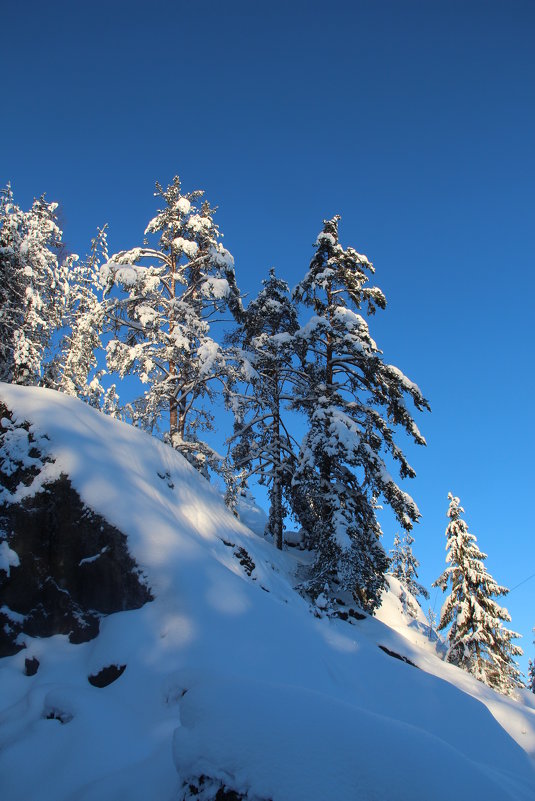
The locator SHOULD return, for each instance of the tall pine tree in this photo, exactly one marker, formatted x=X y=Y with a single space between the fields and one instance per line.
x=478 y=640
x=173 y=292
x=353 y=402
x=264 y=347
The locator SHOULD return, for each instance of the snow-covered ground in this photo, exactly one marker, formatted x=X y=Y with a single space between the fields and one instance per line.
x=231 y=675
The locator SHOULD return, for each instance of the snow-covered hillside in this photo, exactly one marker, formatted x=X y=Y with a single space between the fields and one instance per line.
x=229 y=674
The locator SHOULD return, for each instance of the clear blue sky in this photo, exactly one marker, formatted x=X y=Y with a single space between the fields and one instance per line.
x=413 y=120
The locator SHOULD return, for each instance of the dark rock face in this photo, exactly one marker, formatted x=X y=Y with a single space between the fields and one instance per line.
x=106 y=676
x=397 y=656
x=210 y=789
x=31 y=666
x=245 y=560
x=73 y=566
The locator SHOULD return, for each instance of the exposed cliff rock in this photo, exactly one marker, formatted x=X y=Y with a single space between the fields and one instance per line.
x=62 y=566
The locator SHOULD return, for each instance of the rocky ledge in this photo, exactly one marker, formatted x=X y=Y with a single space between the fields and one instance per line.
x=62 y=566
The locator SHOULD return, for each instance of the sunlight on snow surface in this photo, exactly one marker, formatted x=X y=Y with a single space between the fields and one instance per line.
x=228 y=680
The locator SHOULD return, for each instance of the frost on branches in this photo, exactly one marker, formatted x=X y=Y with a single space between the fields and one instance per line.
x=34 y=287
x=263 y=350
x=171 y=293
x=478 y=640
x=353 y=401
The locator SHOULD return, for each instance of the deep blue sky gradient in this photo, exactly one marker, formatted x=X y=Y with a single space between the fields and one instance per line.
x=413 y=120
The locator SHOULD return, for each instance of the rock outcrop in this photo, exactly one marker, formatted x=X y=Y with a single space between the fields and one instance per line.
x=62 y=566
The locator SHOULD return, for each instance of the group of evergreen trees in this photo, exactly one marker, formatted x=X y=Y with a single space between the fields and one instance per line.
x=152 y=310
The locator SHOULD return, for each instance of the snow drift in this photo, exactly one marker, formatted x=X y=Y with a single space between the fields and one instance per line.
x=228 y=674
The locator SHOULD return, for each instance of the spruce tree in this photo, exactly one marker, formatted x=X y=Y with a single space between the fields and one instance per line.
x=172 y=292
x=353 y=401
x=262 y=444
x=478 y=640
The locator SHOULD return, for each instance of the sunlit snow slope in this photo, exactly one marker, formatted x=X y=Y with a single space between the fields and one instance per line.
x=231 y=675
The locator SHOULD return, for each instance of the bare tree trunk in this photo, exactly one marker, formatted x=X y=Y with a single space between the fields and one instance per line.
x=326 y=463
x=276 y=508
x=276 y=501
x=181 y=424
x=173 y=406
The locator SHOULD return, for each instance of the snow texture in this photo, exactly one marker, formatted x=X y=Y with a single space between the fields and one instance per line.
x=229 y=673
x=8 y=558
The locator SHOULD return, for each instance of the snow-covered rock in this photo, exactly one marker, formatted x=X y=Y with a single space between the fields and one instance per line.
x=72 y=566
x=251 y=514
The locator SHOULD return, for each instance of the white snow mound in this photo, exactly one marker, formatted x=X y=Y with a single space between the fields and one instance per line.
x=231 y=675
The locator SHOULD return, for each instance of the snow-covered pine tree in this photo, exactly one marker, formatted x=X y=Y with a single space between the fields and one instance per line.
x=173 y=292
x=478 y=641
x=431 y=623
x=353 y=401
x=531 y=676
x=263 y=348
x=404 y=565
x=396 y=560
x=34 y=286
x=74 y=370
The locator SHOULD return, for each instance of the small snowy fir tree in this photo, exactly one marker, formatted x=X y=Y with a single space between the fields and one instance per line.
x=531 y=676
x=478 y=641
x=353 y=401
x=431 y=624
x=172 y=293
x=35 y=287
x=404 y=565
x=263 y=445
